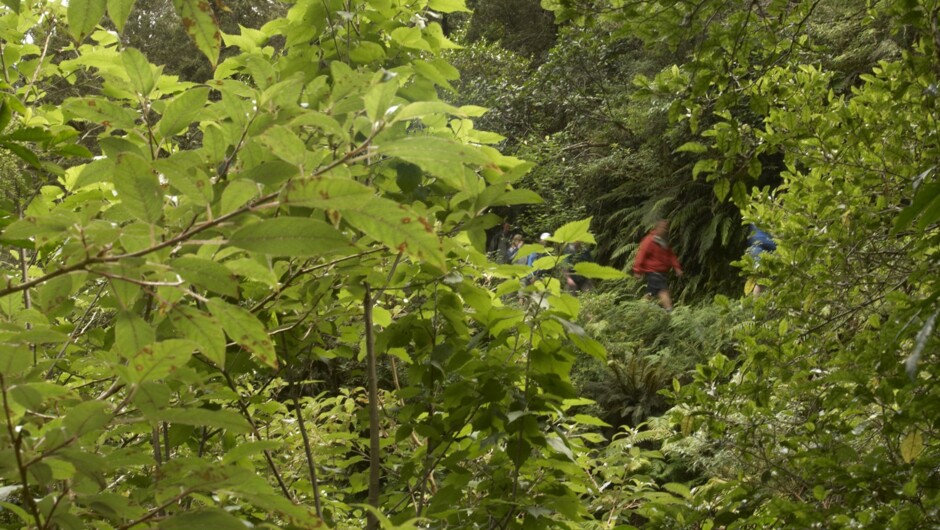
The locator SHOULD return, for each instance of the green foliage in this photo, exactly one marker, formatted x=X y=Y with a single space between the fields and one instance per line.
x=180 y=285
x=827 y=417
x=647 y=349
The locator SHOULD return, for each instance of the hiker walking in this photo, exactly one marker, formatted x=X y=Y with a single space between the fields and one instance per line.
x=758 y=242
x=653 y=260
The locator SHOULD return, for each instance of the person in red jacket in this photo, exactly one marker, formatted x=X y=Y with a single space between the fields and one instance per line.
x=654 y=259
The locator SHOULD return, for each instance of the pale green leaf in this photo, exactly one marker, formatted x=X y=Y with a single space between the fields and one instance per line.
x=598 y=272
x=131 y=334
x=138 y=188
x=99 y=111
x=118 y=11
x=379 y=98
x=198 y=417
x=207 y=274
x=199 y=21
x=410 y=37
x=139 y=70
x=419 y=109
x=159 y=360
x=292 y=236
x=448 y=6
x=574 y=232
x=440 y=157
x=248 y=449
x=912 y=446
x=692 y=147
x=214 y=518
x=181 y=111
x=83 y=16
x=285 y=144
x=327 y=193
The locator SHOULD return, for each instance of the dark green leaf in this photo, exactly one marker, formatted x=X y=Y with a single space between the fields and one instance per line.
x=202 y=329
x=243 y=328
x=86 y=417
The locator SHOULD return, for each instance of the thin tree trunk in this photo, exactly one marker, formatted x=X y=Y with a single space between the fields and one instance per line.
x=374 y=454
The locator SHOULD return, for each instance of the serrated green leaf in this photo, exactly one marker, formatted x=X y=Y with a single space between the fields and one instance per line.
x=679 y=489
x=912 y=446
x=574 y=232
x=585 y=419
x=379 y=98
x=249 y=449
x=441 y=157
x=183 y=173
x=86 y=417
x=589 y=346
x=207 y=274
x=182 y=111
x=692 y=147
x=118 y=11
x=292 y=236
x=410 y=37
x=139 y=70
x=131 y=334
x=367 y=52
x=99 y=111
x=323 y=122
x=83 y=16
x=199 y=21
x=214 y=518
x=399 y=228
x=598 y=272
x=514 y=197
x=243 y=328
x=327 y=193
x=151 y=397
x=722 y=187
x=159 y=360
x=704 y=166
x=24 y=153
x=285 y=144
x=203 y=329
x=138 y=188
x=448 y=6
x=199 y=417
x=419 y=109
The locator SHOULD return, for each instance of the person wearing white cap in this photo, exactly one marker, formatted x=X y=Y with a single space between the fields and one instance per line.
x=530 y=259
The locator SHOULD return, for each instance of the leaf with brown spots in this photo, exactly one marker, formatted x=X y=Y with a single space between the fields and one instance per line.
x=245 y=329
x=200 y=24
x=159 y=360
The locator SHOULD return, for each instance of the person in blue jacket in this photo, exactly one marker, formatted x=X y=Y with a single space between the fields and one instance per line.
x=758 y=242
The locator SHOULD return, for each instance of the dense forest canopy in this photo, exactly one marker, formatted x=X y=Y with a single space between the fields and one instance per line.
x=252 y=270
